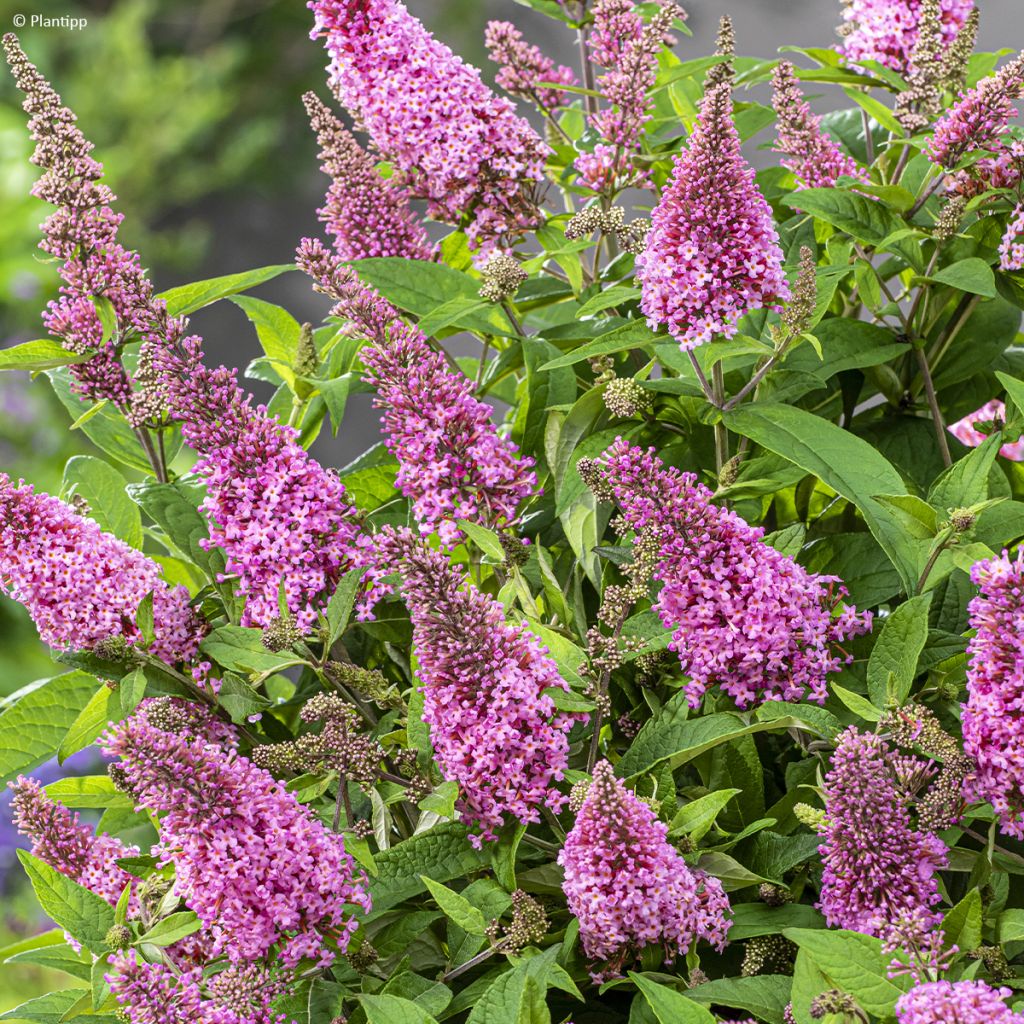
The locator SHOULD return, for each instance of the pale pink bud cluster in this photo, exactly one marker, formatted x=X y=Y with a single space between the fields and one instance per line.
x=82 y=586
x=744 y=616
x=956 y=1002
x=523 y=66
x=713 y=252
x=258 y=868
x=992 y=723
x=886 y=30
x=495 y=730
x=365 y=214
x=1011 y=248
x=453 y=141
x=629 y=887
x=878 y=870
x=992 y=413
x=814 y=157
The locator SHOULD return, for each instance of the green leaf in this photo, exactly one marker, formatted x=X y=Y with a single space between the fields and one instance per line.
x=103 y=489
x=515 y=997
x=339 y=608
x=456 y=907
x=697 y=817
x=634 y=335
x=962 y=925
x=752 y=919
x=613 y=296
x=971 y=275
x=56 y=958
x=37 y=717
x=387 y=1009
x=766 y=996
x=842 y=461
x=852 y=962
x=80 y=912
x=919 y=518
x=860 y=706
x=52 y=1008
x=865 y=219
x=131 y=691
x=442 y=854
x=87 y=791
x=486 y=540
x=1014 y=389
x=893 y=661
x=966 y=482
x=1010 y=926
x=172 y=928
x=91 y=721
x=669 y=1006
x=846 y=345
x=107 y=429
x=240 y=649
x=187 y=298
x=44 y=354
x=277 y=330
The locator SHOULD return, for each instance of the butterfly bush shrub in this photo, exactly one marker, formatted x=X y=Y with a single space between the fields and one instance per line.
x=663 y=663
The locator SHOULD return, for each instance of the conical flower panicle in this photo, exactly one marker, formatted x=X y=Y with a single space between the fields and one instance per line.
x=494 y=730
x=744 y=616
x=257 y=867
x=522 y=66
x=629 y=887
x=713 y=253
x=81 y=585
x=879 y=871
x=453 y=141
x=886 y=30
x=814 y=157
x=58 y=838
x=956 y=1002
x=364 y=214
x=993 y=729
x=453 y=463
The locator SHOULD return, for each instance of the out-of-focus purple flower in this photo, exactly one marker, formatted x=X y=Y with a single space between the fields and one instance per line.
x=713 y=252
x=745 y=617
x=453 y=141
x=629 y=887
x=523 y=66
x=494 y=729
x=956 y=1002
x=1011 y=248
x=878 y=870
x=994 y=412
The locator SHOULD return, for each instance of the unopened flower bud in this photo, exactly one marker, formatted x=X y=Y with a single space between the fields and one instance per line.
x=119 y=936
x=281 y=633
x=962 y=519
x=625 y=397
x=502 y=277
x=812 y=817
x=363 y=958
x=112 y=648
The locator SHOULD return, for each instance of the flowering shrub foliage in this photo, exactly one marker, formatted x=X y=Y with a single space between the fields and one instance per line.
x=688 y=688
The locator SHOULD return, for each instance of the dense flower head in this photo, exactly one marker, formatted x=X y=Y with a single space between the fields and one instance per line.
x=1011 y=248
x=628 y=49
x=629 y=886
x=494 y=730
x=815 y=158
x=981 y=118
x=453 y=463
x=993 y=413
x=995 y=690
x=81 y=585
x=956 y=1002
x=258 y=868
x=154 y=993
x=453 y=141
x=886 y=30
x=878 y=870
x=745 y=617
x=280 y=518
x=58 y=838
x=523 y=66
x=365 y=214
x=713 y=254
x=82 y=233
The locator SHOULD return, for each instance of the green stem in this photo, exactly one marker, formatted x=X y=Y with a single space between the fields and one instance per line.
x=721 y=433
x=933 y=403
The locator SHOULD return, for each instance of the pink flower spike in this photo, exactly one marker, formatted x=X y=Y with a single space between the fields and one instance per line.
x=956 y=1002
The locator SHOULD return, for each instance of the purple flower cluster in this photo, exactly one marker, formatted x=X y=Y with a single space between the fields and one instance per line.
x=523 y=66
x=280 y=518
x=886 y=30
x=629 y=887
x=981 y=118
x=994 y=412
x=879 y=872
x=1011 y=248
x=453 y=464
x=73 y=849
x=154 y=993
x=628 y=49
x=364 y=214
x=713 y=254
x=995 y=690
x=815 y=158
x=744 y=616
x=494 y=729
x=956 y=1002
x=80 y=585
x=258 y=868
x=453 y=141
